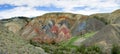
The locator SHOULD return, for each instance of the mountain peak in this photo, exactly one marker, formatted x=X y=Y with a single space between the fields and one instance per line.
x=116 y=11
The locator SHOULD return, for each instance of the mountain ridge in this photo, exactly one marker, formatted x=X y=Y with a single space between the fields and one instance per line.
x=52 y=28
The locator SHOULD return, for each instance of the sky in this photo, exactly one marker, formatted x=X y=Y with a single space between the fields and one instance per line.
x=32 y=8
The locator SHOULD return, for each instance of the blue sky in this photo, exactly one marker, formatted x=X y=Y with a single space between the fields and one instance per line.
x=4 y=7
x=31 y=8
x=49 y=8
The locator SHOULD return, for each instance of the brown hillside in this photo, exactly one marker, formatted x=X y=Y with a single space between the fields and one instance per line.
x=48 y=26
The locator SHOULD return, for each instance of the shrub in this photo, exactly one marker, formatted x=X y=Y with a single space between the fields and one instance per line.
x=60 y=49
x=102 y=19
x=89 y=50
x=115 y=49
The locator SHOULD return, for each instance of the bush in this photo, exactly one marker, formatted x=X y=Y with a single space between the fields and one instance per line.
x=60 y=49
x=90 y=50
x=115 y=49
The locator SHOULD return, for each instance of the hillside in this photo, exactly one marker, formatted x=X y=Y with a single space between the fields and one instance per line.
x=21 y=35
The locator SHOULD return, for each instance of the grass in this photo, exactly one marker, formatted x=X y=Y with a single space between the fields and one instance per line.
x=115 y=49
x=14 y=44
x=67 y=47
x=70 y=42
x=59 y=49
x=87 y=35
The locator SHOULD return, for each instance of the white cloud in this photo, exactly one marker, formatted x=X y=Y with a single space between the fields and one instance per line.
x=93 y=6
x=21 y=11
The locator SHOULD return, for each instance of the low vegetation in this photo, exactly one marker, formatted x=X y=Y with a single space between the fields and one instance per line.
x=87 y=35
x=59 y=49
x=66 y=47
x=102 y=19
x=115 y=49
x=14 y=44
x=73 y=39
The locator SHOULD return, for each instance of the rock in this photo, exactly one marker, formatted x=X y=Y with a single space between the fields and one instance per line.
x=59 y=27
x=104 y=17
x=93 y=24
x=11 y=43
x=52 y=26
x=116 y=21
x=106 y=37
x=14 y=27
x=88 y=25
x=15 y=24
x=63 y=34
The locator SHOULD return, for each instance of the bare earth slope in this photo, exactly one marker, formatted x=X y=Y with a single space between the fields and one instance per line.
x=52 y=28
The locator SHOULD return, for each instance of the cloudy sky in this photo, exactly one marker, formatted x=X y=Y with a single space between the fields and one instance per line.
x=31 y=8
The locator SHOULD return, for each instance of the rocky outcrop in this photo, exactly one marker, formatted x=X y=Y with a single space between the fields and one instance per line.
x=105 y=38
x=57 y=27
x=104 y=17
x=15 y=24
x=52 y=27
x=48 y=28
x=11 y=43
x=88 y=25
x=108 y=35
x=111 y=29
x=107 y=18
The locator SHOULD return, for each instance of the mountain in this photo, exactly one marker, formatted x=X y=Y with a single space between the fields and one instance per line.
x=13 y=43
x=54 y=28
x=108 y=35
x=57 y=27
